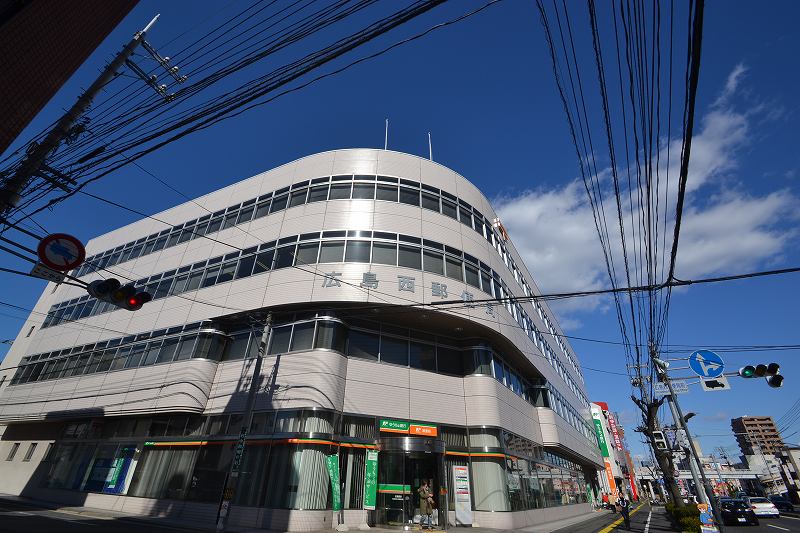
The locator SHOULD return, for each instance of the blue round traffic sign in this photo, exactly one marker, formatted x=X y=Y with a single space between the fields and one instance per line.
x=706 y=364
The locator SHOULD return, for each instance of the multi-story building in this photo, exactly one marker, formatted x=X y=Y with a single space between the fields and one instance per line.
x=757 y=434
x=404 y=323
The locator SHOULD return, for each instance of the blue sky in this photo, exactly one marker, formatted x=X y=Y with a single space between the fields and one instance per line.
x=485 y=91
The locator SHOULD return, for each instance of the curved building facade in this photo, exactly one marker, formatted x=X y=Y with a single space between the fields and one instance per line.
x=403 y=331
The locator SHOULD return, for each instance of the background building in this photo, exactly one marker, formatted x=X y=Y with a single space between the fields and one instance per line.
x=42 y=43
x=141 y=411
x=757 y=434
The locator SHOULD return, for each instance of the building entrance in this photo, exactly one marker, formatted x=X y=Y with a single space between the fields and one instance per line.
x=404 y=465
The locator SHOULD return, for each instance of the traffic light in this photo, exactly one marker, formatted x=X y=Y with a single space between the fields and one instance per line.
x=659 y=441
x=774 y=378
x=771 y=372
x=113 y=292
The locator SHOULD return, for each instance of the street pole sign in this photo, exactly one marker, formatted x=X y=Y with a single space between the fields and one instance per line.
x=678 y=386
x=61 y=252
x=716 y=384
x=706 y=364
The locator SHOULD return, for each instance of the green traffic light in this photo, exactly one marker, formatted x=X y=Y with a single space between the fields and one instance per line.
x=747 y=371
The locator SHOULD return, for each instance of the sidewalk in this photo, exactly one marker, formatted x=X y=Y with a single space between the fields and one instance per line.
x=182 y=525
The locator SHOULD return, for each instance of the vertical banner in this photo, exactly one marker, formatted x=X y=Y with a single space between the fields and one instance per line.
x=463 y=497
x=610 y=474
x=370 y=480
x=332 y=462
x=601 y=439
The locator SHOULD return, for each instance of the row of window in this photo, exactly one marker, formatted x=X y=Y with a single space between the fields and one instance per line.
x=322 y=189
x=331 y=246
x=371 y=341
x=12 y=452
x=295 y=476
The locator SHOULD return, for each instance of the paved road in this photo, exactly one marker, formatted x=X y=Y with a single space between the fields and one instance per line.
x=24 y=518
x=769 y=525
x=644 y=519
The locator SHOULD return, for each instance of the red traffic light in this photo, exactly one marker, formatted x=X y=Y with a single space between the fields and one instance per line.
x=136 y=301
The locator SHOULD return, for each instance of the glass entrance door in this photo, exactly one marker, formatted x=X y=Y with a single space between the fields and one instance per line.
x=400 y=475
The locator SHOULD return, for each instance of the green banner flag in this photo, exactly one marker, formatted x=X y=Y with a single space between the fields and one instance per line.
x=371 y=480
x=601 y=439
x=332 y=462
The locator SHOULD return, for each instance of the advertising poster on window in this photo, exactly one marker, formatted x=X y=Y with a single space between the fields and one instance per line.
x=463 y=497
x=332 y=463
x=370 y=480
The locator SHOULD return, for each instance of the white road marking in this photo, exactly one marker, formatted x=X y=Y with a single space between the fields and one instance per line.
x=778 y=527
x=647 y=524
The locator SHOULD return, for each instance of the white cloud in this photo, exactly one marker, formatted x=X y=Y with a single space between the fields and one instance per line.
x=723 y=230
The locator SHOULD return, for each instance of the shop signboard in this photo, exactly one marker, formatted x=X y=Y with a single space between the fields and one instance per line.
x=612 y=423
x=332 y=463
x=601 y=439
x=610 y=475
x=463 y=496
x=371 y=480
x=407 y=428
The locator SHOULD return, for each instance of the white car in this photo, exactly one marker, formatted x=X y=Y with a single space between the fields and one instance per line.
x=762 y=506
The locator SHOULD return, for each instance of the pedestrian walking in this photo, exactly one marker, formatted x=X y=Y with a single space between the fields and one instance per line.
x=625 y=510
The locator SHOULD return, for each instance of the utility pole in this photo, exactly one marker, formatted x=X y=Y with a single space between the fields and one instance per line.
x=232 y=480
x=661 y=368
x=34 y=162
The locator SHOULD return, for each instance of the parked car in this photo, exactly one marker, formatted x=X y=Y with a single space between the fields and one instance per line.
x=762 y=506
x=782 y=503
x=735 y=512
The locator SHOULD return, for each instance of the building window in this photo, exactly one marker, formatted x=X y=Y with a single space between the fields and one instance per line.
x=13 y=452
x=29 y=453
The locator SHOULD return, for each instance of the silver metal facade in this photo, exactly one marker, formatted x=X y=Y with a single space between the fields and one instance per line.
x=330 y=380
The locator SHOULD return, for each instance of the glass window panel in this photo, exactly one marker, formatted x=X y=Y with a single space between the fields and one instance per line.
x=167 y=352
x=213 y=225
x=394 y=350
x=298 y=197
x=230 y=220
x=180 y=283
x=135 y=357
x=449 y=208
x=262 y=209
x=331 y=252
x=237 y=347
x=363 y=345
x=121 y=358
x=278 y=204
x=162 y=291
x=499 y=374
x=340 y=191
x=263 y=262
x=194 y=280
x=279 y=343
x=284 y=256
x=433 y=262
x=486 y=282
x=409 y=257
x=471 y=275
x=430 y=201
x=450 y=360
x=303 y=336
x=465 y=216
x=307 y=253
x=245 y=266
x=423 y=356
x=211 y=276
x=318 y=194
x=387 y=192
x=151 y=355
x=105 y=360
x=173 y=238
x=245 y=215
x=331 y=335
x=226 y=272
x=364 y=191
x=185 y=348
x=357 y=252
x=384 y=253
x=409 y=196
x=453 y=267
x=186 y=234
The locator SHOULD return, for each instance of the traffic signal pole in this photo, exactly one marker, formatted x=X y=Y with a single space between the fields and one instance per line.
x=232 y=480
x=34 y=161
x=677 y=414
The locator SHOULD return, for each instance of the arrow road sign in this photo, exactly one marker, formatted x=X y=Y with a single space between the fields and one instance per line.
x=716 y=384
x=706 y=364
x=61 y=252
